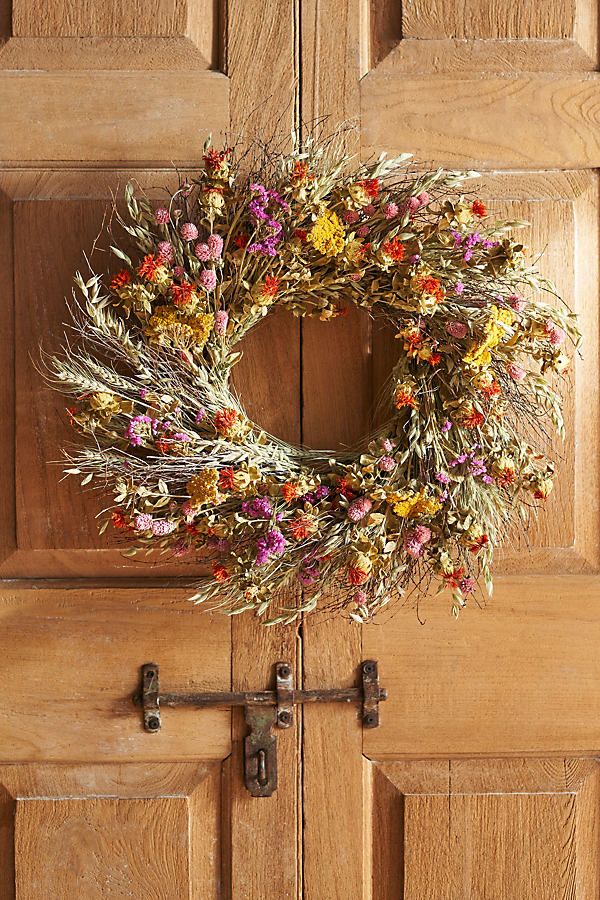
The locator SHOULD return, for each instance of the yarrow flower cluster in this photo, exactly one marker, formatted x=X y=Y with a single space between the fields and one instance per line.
x=284 y=528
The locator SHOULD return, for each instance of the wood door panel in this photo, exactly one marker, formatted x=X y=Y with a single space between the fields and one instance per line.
x=520 y=676
x=113 y=831
x=175 y=35
x=482 y=830
x=53 y=220
x=69 y=663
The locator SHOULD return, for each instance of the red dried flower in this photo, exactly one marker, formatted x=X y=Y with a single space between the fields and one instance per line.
x=220 y=573
x=225 y=419
x=479 y=543
x=120 y=280
x=299 y=172
x=478 y=208
x=301 y=234
x=118 y=519
x=214 y=159
x=301 y=527
x=431 y=286
x=270 y=286
x=371 y=187
x=435 y=359
x=356 y=575
x=472 y=419
x=491 y=390
x=181 y=294
x=241 y=241
x=149 y=266
x=394 y=249
x=226 y=479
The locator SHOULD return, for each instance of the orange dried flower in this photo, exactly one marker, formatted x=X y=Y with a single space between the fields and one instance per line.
x=289 y=491
x=394 y=249
x=270 y=286
x=435 y=359
x=478 y=208
x=299 y=172
x=225 y=419
x=431 y=286
x=403 y=396
x=149 y=266
x=181 y=294
x=120 y=280
x=301 y=527
x=472 y=419
x=452 y=578
x=220 y=573
x=491 y=390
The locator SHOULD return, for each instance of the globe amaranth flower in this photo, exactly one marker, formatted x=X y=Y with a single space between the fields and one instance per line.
x=221 y=322
x=188 y=231
x=457 y=329
x=208 y=279
x=386 y=463
x=516 y=372
x=162 y=527
x=165 y=251
x=161 y=216
x=359 y=508
x=143 y=522
x=390 y=211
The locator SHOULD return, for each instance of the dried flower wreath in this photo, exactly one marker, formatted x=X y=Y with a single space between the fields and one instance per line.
x=430 y=494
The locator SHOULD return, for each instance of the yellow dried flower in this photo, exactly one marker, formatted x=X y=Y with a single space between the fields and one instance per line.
x=203 y=487
x=327 y=234
x=413 y=504
x=167 y=327
x=479 y=356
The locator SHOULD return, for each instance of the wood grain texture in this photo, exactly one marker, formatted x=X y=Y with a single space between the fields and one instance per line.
x=474 y=122
x=489 y=19
x=519 y=676
x=495 y=828
x=102 y=848
x=263 y=858
x=70 y=661
x=156 y=118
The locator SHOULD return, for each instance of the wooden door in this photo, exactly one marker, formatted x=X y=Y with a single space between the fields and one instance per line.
x=91 y=94
x=482 y=782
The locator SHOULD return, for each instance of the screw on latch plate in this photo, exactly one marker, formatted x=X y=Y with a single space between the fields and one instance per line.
x=264 y=711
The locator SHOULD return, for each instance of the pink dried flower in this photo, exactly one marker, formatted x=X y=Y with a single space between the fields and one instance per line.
x=215 y=245
x=517 y=303
x=413 y=547
x=387 y=445
x=360 y=508
x=208 y=279
x=161 y=527
x=386 y=464
x=180 y=548
x=424 y=198
x=143 y=522
x=555 y=334
x=456 y=329
x=165 y=251
x=188 y=231
x=221 y=320
x=200 y=416
x=189 y=511
x=351 y=216
x=390 y=210
x=179 y=271
x=369 y=210
x=363 y=231
x=467 y=585
x=356 y=276
x=422 y=534
x=411 y=205
x=459 y=288
x=161 y=216
x=202 y=252
x=360 y=598
x=516 y=372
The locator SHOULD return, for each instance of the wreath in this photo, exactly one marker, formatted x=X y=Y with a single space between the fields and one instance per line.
x=470 y=398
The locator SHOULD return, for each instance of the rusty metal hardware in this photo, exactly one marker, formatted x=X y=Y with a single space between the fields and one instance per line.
x=264 y=710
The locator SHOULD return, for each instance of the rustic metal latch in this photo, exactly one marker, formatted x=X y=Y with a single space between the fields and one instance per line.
x=263 y=710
